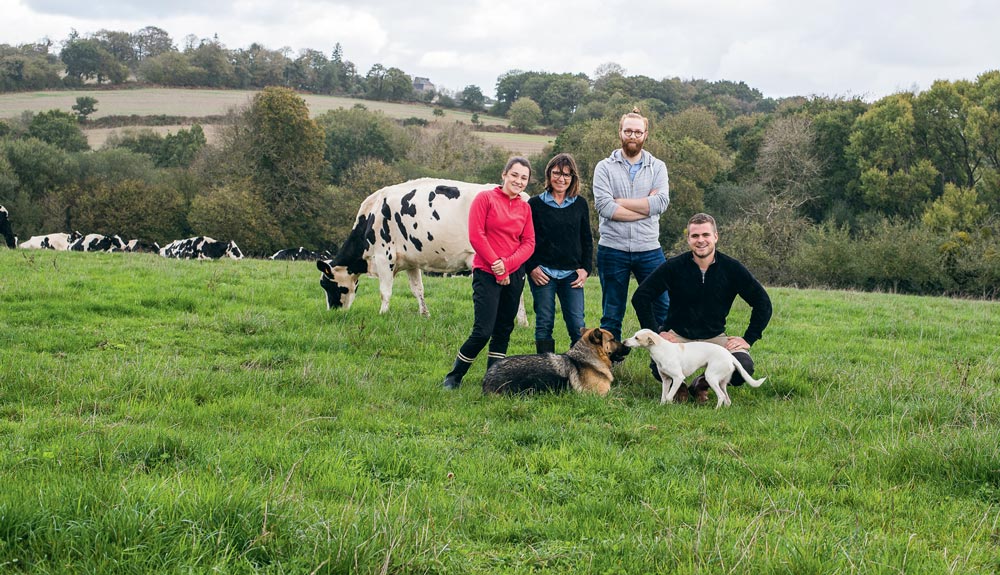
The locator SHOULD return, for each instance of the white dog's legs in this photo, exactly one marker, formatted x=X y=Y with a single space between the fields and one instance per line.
x=670 y=389
x=719 y=387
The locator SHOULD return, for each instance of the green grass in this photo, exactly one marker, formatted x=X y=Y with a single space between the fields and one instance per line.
x=177 y=416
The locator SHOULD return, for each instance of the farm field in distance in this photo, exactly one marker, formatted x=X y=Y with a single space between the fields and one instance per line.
x=201 y=102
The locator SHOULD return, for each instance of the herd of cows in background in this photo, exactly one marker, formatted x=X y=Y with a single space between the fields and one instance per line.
x=417 y=226
x=198 y=248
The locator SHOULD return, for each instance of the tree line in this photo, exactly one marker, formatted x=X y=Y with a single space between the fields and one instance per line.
x=150 y=56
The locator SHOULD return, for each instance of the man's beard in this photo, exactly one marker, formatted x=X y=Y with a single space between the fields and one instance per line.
x=632 y=147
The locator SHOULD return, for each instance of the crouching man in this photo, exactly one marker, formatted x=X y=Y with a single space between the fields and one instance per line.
x=702 y=285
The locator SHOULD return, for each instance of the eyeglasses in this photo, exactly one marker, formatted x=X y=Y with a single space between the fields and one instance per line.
x=554 y=174
x=633 y=133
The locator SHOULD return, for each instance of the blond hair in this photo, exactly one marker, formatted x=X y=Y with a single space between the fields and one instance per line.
x=634 y=114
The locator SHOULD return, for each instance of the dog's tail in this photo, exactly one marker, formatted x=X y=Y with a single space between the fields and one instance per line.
x=746 y=376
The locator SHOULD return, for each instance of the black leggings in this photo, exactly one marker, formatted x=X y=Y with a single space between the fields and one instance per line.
x=495 y=308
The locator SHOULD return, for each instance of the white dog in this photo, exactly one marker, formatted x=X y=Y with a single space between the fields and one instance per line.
x=676 y=361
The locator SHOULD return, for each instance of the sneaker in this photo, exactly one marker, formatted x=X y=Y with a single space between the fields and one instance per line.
x=700 y=388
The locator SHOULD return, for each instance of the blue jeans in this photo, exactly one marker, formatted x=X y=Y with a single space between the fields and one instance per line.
x=570 y=300
x=615 y=268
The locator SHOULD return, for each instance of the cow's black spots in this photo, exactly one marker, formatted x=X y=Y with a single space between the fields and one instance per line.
x=417 y=244
x=449 y=192
x=8 y=233
x=355 y=245
x=406 y=206
x=430 y=237
x=402 y=227
x=436 y=215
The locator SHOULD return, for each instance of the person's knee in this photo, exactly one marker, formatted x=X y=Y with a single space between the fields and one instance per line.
x=747 y=362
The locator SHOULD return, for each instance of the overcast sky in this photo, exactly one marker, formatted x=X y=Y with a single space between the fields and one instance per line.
x=865 y=48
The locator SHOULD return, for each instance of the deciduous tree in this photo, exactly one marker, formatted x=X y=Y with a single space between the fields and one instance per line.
x=524 y=114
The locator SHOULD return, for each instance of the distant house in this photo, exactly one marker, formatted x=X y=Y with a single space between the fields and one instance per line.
x=422 y=85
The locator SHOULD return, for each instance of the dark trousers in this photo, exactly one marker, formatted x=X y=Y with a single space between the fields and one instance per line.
x=495 y=307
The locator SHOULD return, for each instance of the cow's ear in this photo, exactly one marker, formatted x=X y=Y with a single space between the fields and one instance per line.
x=324 y=267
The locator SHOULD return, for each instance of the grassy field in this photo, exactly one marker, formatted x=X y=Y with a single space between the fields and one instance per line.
x=201 y=103
x=176 y=416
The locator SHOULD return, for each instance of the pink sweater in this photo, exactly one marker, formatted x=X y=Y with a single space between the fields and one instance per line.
x=500 y=228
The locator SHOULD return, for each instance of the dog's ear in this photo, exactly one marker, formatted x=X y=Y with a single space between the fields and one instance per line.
x=648 y=339
x=583 y=330
x=596 y=337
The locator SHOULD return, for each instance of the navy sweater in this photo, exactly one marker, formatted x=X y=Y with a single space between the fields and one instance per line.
x=699 y=304
x=563 y=240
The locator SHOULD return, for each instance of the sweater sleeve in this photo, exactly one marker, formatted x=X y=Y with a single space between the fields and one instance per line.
x=604 y=201
x=658 y=203
x=524 y=249
x=477 y=228
x=760 y=307
x=642 y=300
x=532 y=261
x=586 y=238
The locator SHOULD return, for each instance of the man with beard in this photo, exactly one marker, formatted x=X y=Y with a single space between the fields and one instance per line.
x=630 y=192
x=703 y=283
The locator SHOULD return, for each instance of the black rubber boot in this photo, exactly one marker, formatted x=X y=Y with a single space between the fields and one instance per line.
x=458 y=371
x=545 y=346
x=492 y=358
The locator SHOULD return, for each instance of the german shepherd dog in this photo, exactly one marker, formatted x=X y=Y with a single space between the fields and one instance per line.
x=586 y=367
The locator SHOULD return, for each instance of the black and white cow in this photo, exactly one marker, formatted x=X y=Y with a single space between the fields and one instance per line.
x=10 y=240
x=59 y=241
x=418 y=225
x=142 y=246
x=97 y=243
x=201 y=248
x=298 y=254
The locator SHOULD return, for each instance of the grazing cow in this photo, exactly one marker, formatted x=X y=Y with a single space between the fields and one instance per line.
x=201 y=248
x=297 y=254
x=8 y=233
x=98 y=243
x=58 y=241
x=418 y=225
x=142 y=246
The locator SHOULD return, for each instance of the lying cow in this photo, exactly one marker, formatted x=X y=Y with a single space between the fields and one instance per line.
x=418 y=225
x=8 y=233
x=57 y=241
x=201 y=248
x=97 y=243
x=142 y=246
x=299 y=254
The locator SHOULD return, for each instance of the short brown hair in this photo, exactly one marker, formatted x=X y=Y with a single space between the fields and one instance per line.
x=701 y=218
x=517 y=160
x=562 y=161
x=634 y=114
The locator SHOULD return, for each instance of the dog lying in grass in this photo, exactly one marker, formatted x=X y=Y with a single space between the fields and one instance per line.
x=586 y=367
x=676 y=361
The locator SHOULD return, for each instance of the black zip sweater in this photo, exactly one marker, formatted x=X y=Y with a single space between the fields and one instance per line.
x=699 y=304
x=563 y=240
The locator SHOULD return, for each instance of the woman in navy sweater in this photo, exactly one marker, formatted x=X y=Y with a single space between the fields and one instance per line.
x=564 y=247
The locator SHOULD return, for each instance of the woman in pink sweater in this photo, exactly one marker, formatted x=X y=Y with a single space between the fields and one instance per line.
x=503 y=237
